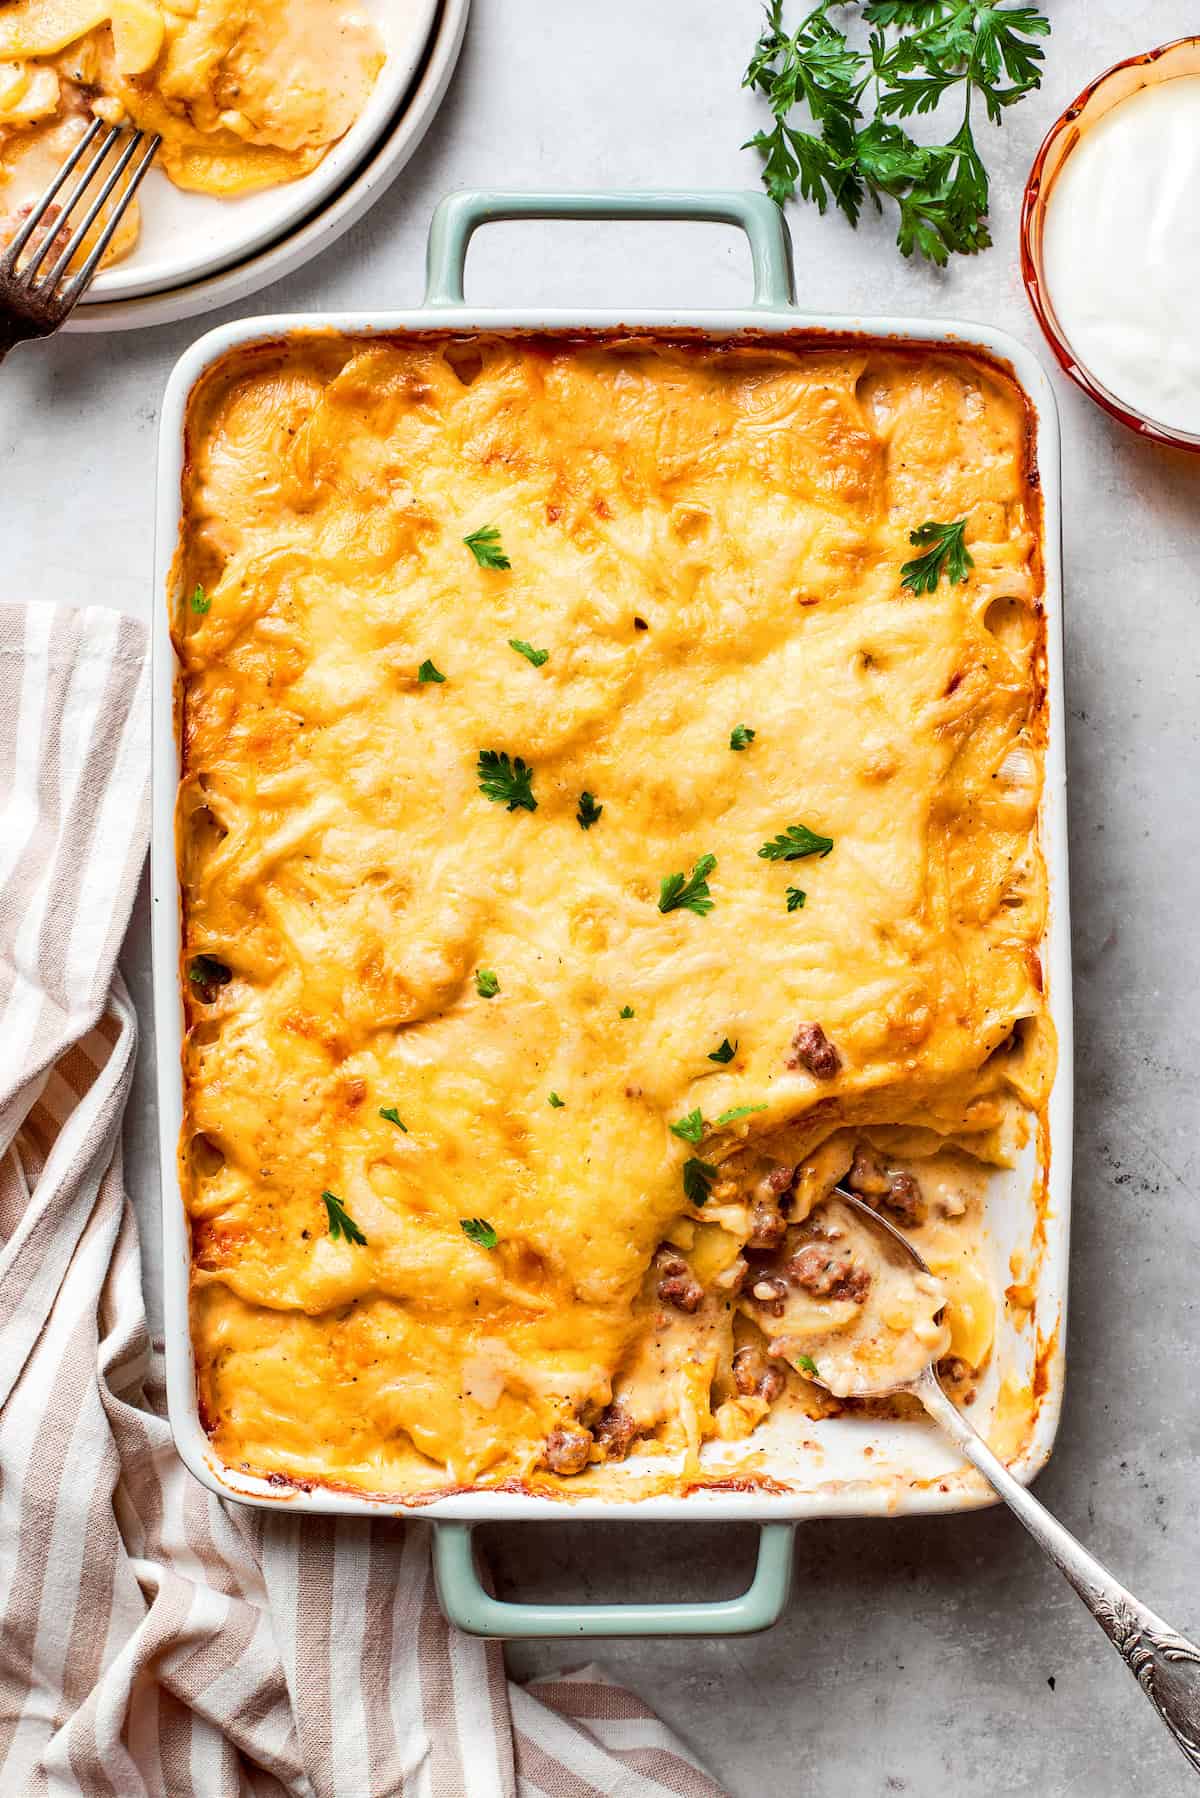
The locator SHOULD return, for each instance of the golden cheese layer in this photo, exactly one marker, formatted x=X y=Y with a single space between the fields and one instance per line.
x=701 y=537
x=245 y=94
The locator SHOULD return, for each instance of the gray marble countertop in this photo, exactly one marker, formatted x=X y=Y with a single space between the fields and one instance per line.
x=920 y=1656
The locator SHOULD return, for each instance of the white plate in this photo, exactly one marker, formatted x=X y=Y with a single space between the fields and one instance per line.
x=185 y=236
x=324 y=226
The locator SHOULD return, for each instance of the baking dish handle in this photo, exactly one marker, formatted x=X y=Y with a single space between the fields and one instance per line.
x=460 y=214
x=473 y=1609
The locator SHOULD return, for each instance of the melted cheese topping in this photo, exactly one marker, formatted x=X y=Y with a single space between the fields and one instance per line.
x=701 y=537
x=245 y=94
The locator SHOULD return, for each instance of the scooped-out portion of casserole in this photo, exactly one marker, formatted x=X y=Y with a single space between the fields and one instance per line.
x=609 y=819
x=245 y=94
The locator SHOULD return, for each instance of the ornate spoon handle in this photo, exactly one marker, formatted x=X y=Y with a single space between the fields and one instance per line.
x=1166 y=1665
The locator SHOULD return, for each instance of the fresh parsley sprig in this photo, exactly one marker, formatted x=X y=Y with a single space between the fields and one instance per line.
x=506 y=780
x=201 y=601
x=690 y=1127
x=393 y=1117
x=689 y=891
x=917 y=53
x=698 y=1177
x=486 y=983
x=341 y=1225
x=794 y=843
x=479 y=1231
x=946 y=553
x=537 y=658
x=484 y=544
x=795 y=898
x=589 y=812
x=427 y=674
x=725 y=1053
x=741 y=736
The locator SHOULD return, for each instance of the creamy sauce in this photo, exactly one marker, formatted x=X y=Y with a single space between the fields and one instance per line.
x=859 y=1347
x=1121 y=251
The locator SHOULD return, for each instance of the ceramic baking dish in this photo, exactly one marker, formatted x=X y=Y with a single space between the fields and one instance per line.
x=847 y=1466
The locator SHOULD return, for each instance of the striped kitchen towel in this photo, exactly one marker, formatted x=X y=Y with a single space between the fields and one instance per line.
x=154 y=1639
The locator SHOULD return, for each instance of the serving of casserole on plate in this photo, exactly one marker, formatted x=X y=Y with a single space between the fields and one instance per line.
x=263 y=111
x=601 y=829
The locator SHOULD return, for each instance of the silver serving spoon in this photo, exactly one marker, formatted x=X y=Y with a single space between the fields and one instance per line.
x=1165 y=1665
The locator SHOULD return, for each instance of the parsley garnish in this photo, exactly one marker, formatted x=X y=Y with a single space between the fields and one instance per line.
x=478 y=1230
x=556 y=1102
x=725 y=1053
x=588 y=811
x=206 y=970
x=506 y=782
x=690 y=1127
x=200 y=600
x=741 y=737
x=918 y=51
x=795 y=898
x=794 y=843
x=537 y=656
x=736 y=1112
x=427 y=672
x=626 y=1011
x=698 y=1177
x=341 y=1224
x=947 y=554
x=486 y=984
x=807 y=1364
x=484 y=545
x=691 y=892
x=393 y=1117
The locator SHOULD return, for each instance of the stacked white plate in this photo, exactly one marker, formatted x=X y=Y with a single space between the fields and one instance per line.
x=196 y=252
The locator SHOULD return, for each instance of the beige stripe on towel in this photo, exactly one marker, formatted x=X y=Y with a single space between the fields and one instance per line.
x=154 y=1641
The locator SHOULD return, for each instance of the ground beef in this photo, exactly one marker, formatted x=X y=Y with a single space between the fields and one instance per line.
x=812 y=1049
x=754 y=1378
x=767 y=1227
x=827 y=1275
x=676 y=1284
x=615 y=1430
x=770 y=1292
x=567 y=1450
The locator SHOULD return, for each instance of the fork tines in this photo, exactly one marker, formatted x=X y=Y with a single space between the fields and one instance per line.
x=18 y=280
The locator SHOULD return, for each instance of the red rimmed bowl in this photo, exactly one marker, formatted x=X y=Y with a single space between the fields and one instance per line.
x=1181 y=57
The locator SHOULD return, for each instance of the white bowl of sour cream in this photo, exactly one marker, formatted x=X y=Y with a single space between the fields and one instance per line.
x=1110 y=242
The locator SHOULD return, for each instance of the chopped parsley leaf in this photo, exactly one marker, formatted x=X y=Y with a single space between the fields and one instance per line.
x=690 y=1127
x=484 y=545
x=698 y=1177
x=538 y=657
x=588 y=811
x=200 y=601
x=486 y=984
x=736 y=1112
x=626 y=1011
x=479 y=1231
x=393 y=1117
x=690 y=893
x=807 y=1364
x=556 y=1102
x=341 y=1225
x=506 y=781
x=795 y=898
x=427 y=672
x=741 y=737
x=207 y=970
x=946 y=553
x=792 y=844
x=725 y=1053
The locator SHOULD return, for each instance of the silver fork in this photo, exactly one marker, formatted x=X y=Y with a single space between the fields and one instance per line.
x=30 y=307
